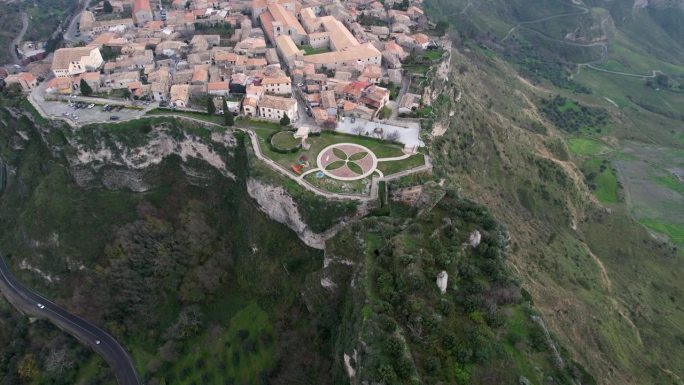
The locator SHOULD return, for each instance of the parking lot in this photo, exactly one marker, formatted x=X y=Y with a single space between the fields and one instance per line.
x=80 y=116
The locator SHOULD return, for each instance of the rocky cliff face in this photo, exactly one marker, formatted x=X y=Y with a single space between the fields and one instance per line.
x=281 y=207
x=110 y=161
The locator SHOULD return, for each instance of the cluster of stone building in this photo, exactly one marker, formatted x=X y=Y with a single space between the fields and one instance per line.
x=278 y=51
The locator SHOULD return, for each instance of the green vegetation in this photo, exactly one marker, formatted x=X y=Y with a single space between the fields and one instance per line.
x=285 y=141
x=10 y=17
x=573 y=117
x=195 y=115
x=46 y=16
x=670 y=181
x=285 y=120
x=317 y=143
x=675 y=232
x=211 y=107
x=433 y=54
x=225 y=30
x=414 y=334
x=389 y=168
x=85 y=88
x=586 y=147
x=309 y=50
x=601 y=179
x=228 y=119
x=177 y=249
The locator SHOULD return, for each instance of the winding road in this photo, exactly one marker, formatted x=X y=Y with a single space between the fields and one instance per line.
x=17 y=40
x=35 y=305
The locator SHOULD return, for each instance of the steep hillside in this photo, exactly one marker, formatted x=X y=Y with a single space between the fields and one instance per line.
x=547 y=168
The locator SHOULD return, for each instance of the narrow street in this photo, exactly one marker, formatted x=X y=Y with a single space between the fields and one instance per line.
x=17 y=40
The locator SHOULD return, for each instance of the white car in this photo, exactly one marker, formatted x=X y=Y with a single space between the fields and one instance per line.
x=41 y=306
x=97 y=342
x=91 y=105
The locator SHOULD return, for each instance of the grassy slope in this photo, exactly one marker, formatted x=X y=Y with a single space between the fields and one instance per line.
x=499 y=163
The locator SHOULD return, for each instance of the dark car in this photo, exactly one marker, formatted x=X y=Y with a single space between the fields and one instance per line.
x=113 y=117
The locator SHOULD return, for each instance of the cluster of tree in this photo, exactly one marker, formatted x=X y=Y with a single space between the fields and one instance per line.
x=150 y=258
x=401 y=5
x=666 y=82
x=368 y=20
x=39 y=353
x=537 y=65
x=571 y=116
x=417 y=332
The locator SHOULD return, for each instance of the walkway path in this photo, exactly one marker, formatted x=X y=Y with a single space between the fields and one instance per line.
x=583 y=11
x=402 y=157
x=269 y=162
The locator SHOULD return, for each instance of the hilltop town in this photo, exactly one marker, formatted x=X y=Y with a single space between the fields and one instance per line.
x=314 y=61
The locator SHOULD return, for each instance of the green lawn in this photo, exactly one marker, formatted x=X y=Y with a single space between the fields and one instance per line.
x=318 y=143
x=218 y=119
x=585 y=147
x=674 y=231
x=420 y=69
x=309 y=50
x=284 y=140
x=433 y=54
x=358 y=187
x=389 y=168
x=670 y=181
x=604 y=182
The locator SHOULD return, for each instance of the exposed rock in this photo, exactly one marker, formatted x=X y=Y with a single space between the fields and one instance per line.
x=24 y=265
x=281 y=207
x=159 y=146
x=442 y=280
x=475 y=238
x=124 y=179
x=351 y=372
x=83 y=176
x=328 y=283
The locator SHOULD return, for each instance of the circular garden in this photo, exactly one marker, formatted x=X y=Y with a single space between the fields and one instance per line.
x=347 y=161
x=284 y=141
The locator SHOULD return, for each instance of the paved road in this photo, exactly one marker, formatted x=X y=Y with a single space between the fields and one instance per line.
x=17 y=40
x=27 y=301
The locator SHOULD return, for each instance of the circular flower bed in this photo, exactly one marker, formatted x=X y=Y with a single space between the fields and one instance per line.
x=347 y=161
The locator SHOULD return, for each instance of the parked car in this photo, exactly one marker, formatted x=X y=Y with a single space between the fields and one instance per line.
x=91 y=105
x=113 y=117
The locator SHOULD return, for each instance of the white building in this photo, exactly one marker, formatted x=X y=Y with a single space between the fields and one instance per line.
x=274 y=108
x=278 y=85
x=74 y=61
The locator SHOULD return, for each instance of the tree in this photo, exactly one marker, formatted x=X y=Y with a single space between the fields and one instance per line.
x=85 y=88
x=107 y=7
x=285 y=120
x=211 y=107
x=385 y=113
x=227 y=115
x=28 y=368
